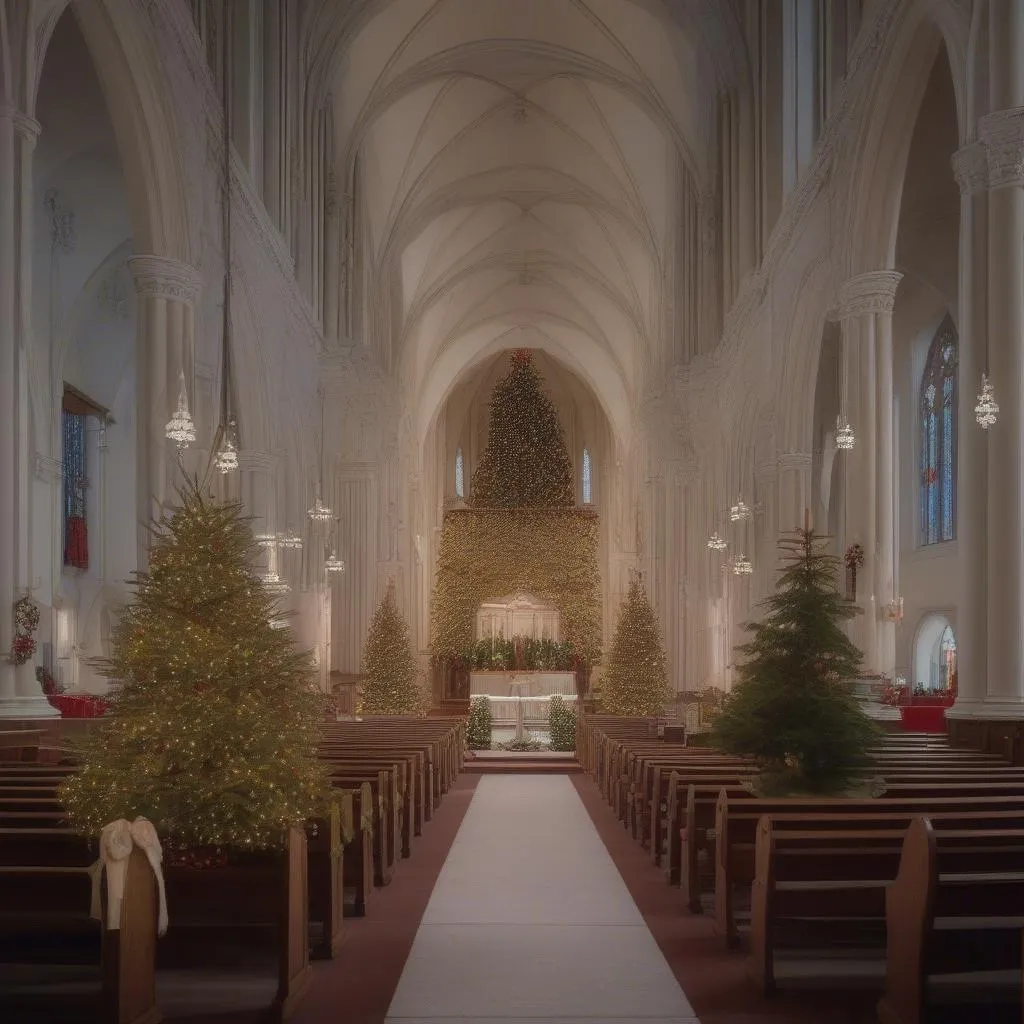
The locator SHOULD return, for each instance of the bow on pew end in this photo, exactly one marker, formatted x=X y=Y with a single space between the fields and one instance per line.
x=117 y=840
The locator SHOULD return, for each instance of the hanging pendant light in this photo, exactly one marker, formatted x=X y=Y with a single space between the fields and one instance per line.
x=226 y=456
x=273 y=584
x=845 y=438
x=181 y=428
x=290 y=540
x=320 y=513
x=716 y=543
x=334 y=566
x=986 y=411
x=742 y=566
x=739 y=512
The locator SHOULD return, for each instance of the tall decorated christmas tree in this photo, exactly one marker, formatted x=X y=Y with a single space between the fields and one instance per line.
x=794 y=708
x=635 y=679
x=389 y=669
x=526 y=463
x=214 y=725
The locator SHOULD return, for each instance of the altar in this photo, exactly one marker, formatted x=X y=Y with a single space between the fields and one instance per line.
x=534 y=683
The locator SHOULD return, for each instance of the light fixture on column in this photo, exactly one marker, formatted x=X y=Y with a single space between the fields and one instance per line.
x=320 y=513
x=273 y=584
x=716 y=543
x=181 y=428
x=742 y=566
x=226 y=455
x=986 y=411
x=266 y=540
x=333 y=565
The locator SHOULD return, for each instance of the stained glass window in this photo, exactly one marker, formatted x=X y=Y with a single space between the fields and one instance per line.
x=76 y=538
x=938 y=437
x=460 y=475
x=587 y=492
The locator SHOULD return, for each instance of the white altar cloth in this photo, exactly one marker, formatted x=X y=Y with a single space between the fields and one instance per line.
x=536 y=711
x=522 y=684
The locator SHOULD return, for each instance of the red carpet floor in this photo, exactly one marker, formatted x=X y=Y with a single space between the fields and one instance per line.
x=711 y=976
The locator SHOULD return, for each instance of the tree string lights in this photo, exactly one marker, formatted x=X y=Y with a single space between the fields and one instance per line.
x=214 y=726
x=389 y=669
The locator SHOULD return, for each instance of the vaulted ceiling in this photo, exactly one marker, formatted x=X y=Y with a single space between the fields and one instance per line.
x=520 y=165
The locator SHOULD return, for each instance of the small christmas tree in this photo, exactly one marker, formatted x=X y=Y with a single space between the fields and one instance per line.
x=794 y=708
x=214 y=727
x=389 y=687
x=478 y=728
x=526 y=463
x=635 y=681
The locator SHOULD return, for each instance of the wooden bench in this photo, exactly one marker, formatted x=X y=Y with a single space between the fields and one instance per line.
x=945 y=917
x=736 y=822
x=45 y=899
x=821 y=893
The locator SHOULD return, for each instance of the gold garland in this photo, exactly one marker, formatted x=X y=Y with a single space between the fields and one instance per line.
x=488 y=553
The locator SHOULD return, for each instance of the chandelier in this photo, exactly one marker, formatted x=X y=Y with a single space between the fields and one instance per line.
x=742 y=566
x=845 y=438
x=334 y=566
x=181 y=428
x=290 y=540
x=739 y=512
x=986 y=411
x=266 y=540
x=226 y=459
x=716 y=543
x=273 y=583
x=320 y=513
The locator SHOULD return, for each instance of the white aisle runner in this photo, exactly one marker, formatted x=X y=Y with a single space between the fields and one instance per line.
x=530 y=921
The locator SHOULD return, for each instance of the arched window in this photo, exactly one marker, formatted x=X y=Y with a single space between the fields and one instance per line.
x=938 y=437
x=587 y=491
x=460 y=475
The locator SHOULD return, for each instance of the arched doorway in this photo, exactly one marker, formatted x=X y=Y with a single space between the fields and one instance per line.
x=935 y=654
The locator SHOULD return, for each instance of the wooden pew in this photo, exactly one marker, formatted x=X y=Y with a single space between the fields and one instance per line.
x=823 y=891
x=736 y=822
x=45 y=897
x=946 y=917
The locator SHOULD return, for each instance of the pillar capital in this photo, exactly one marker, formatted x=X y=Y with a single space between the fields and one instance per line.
x=1002 y=132
x=865 y=294
x=159 y=275
x=970 y=168
x=27 y=127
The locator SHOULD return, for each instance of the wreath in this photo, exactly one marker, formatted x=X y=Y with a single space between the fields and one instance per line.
x=26 y=622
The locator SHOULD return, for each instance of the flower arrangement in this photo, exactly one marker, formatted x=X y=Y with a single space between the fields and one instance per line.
x=26 y=622
x=854 y=557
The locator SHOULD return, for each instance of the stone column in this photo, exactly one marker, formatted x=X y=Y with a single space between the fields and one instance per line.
x=865 y=312
x=8 y=401
x=1003 y=133
x=167 y=291
x=970 y=167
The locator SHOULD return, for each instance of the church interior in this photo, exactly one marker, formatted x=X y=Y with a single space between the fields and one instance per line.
x=500 y=511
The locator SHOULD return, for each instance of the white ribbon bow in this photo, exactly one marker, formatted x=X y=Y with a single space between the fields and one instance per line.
x=116 y=843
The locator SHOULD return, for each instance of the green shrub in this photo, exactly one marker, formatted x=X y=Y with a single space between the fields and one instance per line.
x=478 y=729
x=562 y=724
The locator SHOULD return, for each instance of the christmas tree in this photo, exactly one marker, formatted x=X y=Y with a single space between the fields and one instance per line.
x=635 y=680
x=525 y=463
x=214 y=725
x=794 y=708
x=389 y=687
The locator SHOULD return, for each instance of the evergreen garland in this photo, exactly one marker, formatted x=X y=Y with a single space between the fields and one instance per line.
x=794 y=708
